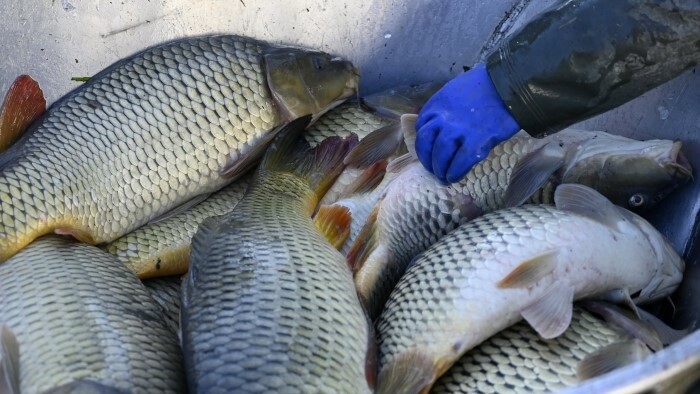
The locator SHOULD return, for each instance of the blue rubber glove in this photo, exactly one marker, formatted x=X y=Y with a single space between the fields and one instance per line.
x=460 y=124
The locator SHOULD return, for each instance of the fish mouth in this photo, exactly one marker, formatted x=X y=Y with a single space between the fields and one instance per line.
x=678 y=163
x=352 y=87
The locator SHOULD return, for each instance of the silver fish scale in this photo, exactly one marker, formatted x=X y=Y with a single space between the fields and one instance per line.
x=428 y=212
x=269 y=305
x=487 y=181
x=141 y=137
x=419 y=300
x=162 y=248
x=79 y=314
x=342 y=121
x=166 y=293
x=519 y=360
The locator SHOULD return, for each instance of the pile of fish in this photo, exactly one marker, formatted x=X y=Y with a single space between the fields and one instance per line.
x=220 y=214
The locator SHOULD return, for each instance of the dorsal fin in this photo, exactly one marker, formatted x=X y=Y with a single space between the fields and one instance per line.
x=587 y=202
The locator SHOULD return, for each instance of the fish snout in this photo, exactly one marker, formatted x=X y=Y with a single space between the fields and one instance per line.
x=678 y=164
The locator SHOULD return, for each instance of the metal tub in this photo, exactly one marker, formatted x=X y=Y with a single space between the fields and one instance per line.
x=392 y=42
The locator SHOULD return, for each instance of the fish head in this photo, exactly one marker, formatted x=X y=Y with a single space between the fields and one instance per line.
x=630 y=173
x=668 y=264
x=307 y=82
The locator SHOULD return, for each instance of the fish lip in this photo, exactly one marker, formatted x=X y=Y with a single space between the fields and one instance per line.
x=678 y=163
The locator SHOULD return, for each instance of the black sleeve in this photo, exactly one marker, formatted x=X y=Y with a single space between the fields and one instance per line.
x=584 y=57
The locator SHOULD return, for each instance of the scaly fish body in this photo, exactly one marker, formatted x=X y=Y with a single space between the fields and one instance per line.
x=418 y=210
x=529 y=262
x=153 y=131
x=166 y=292
x=268 y=303
x=79 y=315
x=163 y=248
x=517 y=359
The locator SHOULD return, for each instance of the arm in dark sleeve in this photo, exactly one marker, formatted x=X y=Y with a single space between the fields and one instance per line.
x=585 y=57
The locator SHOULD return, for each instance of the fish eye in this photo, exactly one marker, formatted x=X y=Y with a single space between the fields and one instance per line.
x=318 y=63
x=636 y=201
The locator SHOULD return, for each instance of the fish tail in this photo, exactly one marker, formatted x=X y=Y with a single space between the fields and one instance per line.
x=319 y=166
x=411 y=372
x=24 y=104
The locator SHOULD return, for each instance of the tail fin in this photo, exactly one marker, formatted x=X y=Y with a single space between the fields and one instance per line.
x=320 y=165
x=23 y=105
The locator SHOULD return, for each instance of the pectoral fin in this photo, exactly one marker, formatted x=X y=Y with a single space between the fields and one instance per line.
x=611 y=358
x=365 y=242
x=530 y=271
x=532 y=172
x=667 y=334
x=377 y=145
x=627 y=321
x=408 y=129
x=180 y=208
x=79 y=234
x=398 y=164
x=619 y=297
x=238 y=165
x=550 y=315
x=333 y=221
x=370 y=178
x=9 y=361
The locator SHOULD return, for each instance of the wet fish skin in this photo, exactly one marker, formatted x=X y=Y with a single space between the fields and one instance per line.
x=517 y=359
x=529 y=261
x=418 y=210
x=155 y=130
x=268 y=304
x=166 y=292
x=79 y=314
x=163 y=248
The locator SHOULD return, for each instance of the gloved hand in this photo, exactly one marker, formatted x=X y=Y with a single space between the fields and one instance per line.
x=460 y=124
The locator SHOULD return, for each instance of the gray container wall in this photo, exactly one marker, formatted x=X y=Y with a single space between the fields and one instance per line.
x=393 y=42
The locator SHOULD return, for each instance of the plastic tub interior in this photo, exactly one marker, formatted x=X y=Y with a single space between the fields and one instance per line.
x=393 y=42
